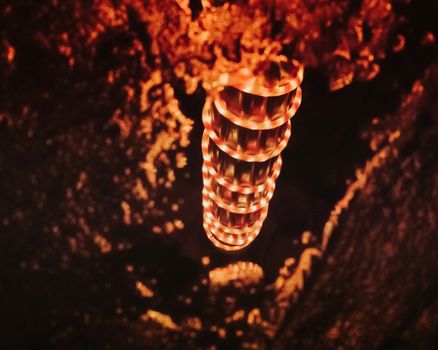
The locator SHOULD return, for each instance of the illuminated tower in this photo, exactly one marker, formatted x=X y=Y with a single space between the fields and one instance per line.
x=247 y=125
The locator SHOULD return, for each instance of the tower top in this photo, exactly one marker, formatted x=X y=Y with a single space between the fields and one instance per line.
x=270 y=78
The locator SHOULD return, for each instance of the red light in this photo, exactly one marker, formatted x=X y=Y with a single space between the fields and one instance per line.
x=247 y=126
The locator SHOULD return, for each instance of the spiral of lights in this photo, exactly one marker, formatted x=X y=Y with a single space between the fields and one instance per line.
x=247 y=126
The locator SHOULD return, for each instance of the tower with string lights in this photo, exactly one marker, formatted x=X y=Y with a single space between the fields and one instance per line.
x=247 y=126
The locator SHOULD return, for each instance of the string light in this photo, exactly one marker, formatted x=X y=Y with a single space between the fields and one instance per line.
x=247 y=126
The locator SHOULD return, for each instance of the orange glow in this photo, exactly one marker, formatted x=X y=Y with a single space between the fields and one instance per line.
x=247 y=126
x=241 y=273
x=10 y=52
x=161 y=319
x=144 y=290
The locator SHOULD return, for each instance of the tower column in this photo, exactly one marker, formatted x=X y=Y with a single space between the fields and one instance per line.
x=247 y=126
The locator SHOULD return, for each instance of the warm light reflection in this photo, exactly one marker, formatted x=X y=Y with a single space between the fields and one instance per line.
x=247 y=126
x=136 y=62
x=241 y=273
